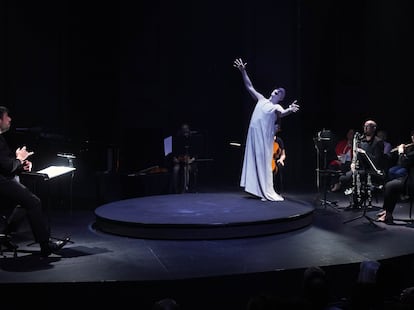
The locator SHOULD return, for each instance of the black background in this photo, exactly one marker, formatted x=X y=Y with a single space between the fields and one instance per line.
x=109 y=80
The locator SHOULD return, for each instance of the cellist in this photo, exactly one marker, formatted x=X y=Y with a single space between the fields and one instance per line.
x=279 y=157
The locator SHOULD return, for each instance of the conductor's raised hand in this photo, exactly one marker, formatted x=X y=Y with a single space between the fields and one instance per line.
x=239 y=64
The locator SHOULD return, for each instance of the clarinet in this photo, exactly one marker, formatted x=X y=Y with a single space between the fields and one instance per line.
x=356 y=178
x=358 y=196
x=354 y=163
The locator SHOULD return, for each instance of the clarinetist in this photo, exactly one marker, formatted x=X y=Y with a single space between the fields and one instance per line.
x=370 y=159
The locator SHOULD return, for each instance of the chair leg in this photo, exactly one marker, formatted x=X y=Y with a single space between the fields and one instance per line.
x=6 y=242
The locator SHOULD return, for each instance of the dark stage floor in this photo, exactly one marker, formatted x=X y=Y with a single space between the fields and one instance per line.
x=97 y=262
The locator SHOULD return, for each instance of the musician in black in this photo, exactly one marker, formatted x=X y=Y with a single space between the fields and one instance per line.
x=184 y=155
x=278 y=162
x=11 y=190
x=397 y=170
x=403 y=185
x=369 y=160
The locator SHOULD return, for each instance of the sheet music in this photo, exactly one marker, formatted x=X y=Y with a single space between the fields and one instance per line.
x=55 y=171
x=167 y=145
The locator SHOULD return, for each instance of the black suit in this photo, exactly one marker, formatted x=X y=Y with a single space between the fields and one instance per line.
x=374 y=149
x=12 y=190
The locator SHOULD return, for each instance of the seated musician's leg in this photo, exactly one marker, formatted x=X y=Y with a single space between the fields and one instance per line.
x=14 y=220
x=20 y=194
x=346 y=180
x=32 y=206
x=333 y=179
x=336 y=184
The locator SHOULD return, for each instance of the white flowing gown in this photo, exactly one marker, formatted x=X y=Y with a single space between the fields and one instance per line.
x=257 y=175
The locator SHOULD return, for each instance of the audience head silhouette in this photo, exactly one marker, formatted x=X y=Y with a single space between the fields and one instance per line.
x=166 y=304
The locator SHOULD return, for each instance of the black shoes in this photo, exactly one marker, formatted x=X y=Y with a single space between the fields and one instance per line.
x=6 y=242
x=52 y=246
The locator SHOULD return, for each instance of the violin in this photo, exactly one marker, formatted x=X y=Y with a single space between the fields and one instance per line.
x=406 y=145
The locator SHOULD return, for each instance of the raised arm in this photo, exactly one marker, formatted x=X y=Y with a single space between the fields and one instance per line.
x=239 y=64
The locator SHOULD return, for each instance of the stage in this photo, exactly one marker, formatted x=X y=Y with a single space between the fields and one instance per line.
x=224 y=245
x=202 y=216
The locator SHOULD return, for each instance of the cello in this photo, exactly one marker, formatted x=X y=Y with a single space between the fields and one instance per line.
x=276 y=154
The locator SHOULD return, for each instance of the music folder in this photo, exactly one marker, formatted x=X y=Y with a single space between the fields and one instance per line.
x=52 y=171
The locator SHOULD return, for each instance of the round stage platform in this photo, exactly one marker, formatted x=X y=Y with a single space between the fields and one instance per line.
x=202 y=216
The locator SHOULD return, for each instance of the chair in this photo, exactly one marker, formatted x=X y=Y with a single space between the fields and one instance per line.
x=409 y=196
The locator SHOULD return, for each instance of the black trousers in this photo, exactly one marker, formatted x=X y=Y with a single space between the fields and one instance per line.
x=18 y=194
x=392 y=191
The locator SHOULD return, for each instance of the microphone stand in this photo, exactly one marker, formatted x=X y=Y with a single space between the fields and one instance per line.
x=367 y=191
x=70 y=158
x=364 y=208
x=186 y=169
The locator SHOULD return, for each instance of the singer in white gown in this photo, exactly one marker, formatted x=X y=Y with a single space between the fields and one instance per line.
x=257 y=177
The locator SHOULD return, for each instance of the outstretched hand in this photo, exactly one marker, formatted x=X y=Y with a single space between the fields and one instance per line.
x=294 y=106
x=239 y=64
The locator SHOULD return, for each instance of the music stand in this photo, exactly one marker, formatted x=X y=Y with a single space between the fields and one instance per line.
x=70 y=157
x=324 y=141
x=47 y=174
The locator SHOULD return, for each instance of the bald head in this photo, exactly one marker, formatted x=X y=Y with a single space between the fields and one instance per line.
x=371 y=123
x=370 y=128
